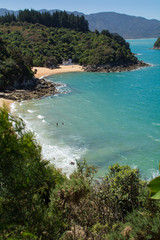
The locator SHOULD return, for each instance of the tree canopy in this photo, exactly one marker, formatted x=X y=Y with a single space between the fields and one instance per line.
x=39 y=44
x=13 y=68
x=57 y=19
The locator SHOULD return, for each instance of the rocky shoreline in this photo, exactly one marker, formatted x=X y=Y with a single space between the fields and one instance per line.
x=156 y=48
x=115 y=68
x=38 y=88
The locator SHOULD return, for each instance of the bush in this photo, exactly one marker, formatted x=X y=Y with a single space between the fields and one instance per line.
x=25 y=178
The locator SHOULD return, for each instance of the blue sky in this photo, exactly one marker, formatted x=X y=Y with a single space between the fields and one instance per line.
x=145 y=8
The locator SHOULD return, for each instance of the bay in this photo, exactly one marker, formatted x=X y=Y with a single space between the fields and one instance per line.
x=105 y=118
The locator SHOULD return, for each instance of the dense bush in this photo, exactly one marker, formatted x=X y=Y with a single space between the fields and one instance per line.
x=39 y=44
x=13 y=68
x=25 y=179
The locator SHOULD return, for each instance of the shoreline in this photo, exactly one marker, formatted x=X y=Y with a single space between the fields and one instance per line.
x=39 y=87
x=6 y=102
x=44 y=72
x=41 y=72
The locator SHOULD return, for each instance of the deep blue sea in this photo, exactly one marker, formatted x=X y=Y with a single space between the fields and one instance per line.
x=105 y=118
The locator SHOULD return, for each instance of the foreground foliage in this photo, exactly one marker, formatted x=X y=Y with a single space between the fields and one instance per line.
x=39 y=202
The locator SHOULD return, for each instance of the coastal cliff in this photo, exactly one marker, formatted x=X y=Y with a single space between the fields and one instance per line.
x=157 y=44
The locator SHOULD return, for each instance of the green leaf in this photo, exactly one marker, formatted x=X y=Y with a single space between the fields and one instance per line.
x=154 y=185
x=156 y=195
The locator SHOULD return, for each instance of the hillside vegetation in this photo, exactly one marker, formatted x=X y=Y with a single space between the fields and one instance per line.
x=42 y=39
x=38 y=202
x=13 y=68
x=56 y=19
x=40 y=44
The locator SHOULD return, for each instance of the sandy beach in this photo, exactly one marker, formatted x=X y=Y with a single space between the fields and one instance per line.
x=42 y=71
x=5 y=102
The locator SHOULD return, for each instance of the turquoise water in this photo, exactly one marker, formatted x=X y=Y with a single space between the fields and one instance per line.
x=103 y=117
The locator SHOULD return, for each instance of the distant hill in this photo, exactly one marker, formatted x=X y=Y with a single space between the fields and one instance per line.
x=4 y=11
x=125 y=25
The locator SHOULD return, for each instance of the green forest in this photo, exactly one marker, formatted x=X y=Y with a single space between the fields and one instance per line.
x=35 y=39
x=57 y=19
x=13 y=68
x=40 y=44
x=38 y=201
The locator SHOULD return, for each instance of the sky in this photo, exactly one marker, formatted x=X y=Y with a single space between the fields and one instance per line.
x=144 y=8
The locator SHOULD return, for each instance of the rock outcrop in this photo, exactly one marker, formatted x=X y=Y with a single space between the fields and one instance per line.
x=38 y=89
x=115 y=68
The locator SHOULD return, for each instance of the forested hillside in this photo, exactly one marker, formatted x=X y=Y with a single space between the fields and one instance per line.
x=13 y=68
x=40 y=44
x=42 y=39
x=56 y=19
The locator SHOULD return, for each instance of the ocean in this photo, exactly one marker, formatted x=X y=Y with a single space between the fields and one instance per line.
x=104 y=118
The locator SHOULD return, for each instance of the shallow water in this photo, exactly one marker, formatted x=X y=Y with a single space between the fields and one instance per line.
x=103 y=117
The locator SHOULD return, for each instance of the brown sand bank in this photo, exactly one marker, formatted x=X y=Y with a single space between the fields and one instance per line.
x=5 y=102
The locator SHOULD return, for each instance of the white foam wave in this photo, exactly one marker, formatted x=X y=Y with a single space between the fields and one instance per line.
x=133 y=166
x=154 y=139
x=43 y=77
x=13 y=107
x=40 y=116
x=31 y=111
x=156 y=124
x=62 y=157
x=154 y=173
x=62 y=88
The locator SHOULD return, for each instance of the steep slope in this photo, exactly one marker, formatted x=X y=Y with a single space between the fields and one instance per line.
x=157 y=44
x=41 y=45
